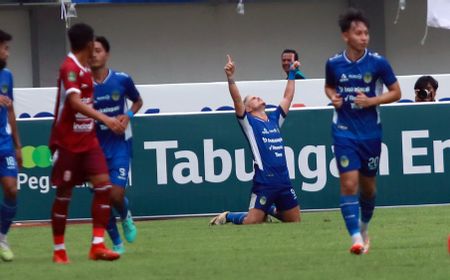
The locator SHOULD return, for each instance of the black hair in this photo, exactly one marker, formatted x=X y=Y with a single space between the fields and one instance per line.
x=104 y=42
x=290 y=51
x=80 y=35
x=351 y=15
x=423 y=82
x=4 y=36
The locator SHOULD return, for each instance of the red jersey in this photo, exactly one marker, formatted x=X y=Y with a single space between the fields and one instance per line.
x=71 y=130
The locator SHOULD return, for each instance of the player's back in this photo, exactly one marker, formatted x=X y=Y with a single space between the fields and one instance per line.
x=72 y=130
x=6 y=85
x=366 y=75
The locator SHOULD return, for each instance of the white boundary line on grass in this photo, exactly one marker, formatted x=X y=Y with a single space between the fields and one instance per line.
x=163 y=217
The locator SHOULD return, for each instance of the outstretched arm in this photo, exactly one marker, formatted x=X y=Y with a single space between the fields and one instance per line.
x=285 y=103
x=239 y=106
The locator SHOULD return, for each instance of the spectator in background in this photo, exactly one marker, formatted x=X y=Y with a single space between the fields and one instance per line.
x=425 y=89
x=288 y=56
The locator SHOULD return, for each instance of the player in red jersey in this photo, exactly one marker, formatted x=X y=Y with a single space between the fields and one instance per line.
x=77 y=156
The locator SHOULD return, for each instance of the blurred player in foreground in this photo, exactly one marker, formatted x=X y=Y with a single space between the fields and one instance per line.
x=77 y=155
x=10 y=149
x=271 y=182
x=354 y=82
x=112 y=89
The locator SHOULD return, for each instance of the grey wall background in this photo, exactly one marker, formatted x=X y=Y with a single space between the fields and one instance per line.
x=171 y=43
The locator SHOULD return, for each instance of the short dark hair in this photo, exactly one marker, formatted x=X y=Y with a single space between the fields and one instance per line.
x=423 y=82
x=4 y=36
x=80 y=35
x=351 y=15
x=291 y=51
x=104 y=42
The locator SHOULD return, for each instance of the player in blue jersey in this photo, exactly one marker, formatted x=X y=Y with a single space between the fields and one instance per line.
x=112 y=89
x=354 y=83
x=10 y=149
x=271 y=182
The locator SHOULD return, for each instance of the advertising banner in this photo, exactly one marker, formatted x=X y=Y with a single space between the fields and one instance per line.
x=201 y=163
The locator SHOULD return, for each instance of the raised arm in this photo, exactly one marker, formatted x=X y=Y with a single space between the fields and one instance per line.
x=239 y=106
x=285 y=103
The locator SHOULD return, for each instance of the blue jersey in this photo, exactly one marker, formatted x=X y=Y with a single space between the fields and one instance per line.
x=267 y=148
x=110 y=98
x=366 y=75
x=6 y=88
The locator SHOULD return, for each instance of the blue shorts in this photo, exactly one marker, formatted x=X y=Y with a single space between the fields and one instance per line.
x=8 y=165
x=361 y=155
x=119 y=166
x=263 y=197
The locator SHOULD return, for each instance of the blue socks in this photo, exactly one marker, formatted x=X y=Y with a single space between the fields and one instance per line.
x=367 y=207
x=236 y=218
x=350 y=212
x=124 y=211
x=7 y=214
x=113 y=231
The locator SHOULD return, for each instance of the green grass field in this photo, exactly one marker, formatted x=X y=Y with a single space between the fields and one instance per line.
x=407 y=243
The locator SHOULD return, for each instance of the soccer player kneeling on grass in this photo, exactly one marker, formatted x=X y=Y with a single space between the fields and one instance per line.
x=112 y=89
x=353 y=82
x=271 y=182
x=77 y=155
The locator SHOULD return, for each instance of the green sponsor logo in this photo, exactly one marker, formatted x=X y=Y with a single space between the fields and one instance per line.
x=39 y=156
x=72 y=76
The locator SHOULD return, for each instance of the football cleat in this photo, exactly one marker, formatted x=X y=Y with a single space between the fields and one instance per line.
x=220 y=219
x=5 y=251
x=120 y=249
x=100 y=252
x=357 y=249
x=60 y=257
x=129 y=229
x=366 y=240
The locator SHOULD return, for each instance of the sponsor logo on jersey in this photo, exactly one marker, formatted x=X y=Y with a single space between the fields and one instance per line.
x=83 y=127
x=72 y=76
x=343 y=78
x=367 y=77
x=84 y=85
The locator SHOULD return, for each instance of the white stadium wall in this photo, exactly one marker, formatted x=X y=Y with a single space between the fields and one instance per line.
x=176 y=98
x=187 y=43
x=16 y=22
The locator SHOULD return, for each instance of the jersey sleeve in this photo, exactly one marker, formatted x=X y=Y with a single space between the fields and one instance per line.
x=330 y=79
x=10 y=87
x=131 y=91
x=278 y=116
x=70 y=79
x=387 y=74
